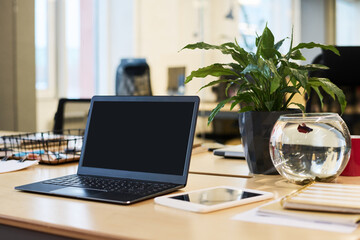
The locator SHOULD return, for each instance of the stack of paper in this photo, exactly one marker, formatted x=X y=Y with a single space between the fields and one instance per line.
x=324 y=202
x=14 y=165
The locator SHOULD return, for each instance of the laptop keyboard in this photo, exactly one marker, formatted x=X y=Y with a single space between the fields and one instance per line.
x=126 y=186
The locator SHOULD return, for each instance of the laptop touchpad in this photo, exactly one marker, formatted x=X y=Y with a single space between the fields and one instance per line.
x=77 y=192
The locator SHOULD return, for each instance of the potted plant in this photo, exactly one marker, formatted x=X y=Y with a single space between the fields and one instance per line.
x=266 y=82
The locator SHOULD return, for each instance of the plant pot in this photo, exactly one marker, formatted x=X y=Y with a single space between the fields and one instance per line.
x=255 y=129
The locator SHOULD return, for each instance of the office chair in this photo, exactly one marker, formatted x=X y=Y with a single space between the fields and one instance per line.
x=133 y=77
x=71 y=114
x=343 y=72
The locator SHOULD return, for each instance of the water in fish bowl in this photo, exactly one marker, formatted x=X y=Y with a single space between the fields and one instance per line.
x=306 y=149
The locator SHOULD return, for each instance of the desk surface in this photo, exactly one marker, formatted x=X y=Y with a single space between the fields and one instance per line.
x=204 y=162
x=144 y=220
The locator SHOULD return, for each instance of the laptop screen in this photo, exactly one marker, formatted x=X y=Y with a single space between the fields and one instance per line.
x=139 y=136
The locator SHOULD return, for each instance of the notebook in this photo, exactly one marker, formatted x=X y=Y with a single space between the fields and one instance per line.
x=134 y=148
x=327 y=197
x=321 y=202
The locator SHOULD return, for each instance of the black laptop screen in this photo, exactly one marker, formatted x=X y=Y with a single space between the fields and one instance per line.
x=149 y=137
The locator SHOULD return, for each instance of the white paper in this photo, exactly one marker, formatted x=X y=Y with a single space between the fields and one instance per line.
x=14 y=165
x=253 y=216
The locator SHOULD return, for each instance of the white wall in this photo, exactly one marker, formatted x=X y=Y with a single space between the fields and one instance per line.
x=162 y=31
x=46 y=108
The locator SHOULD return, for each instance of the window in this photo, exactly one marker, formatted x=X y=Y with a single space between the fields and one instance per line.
x=79 y=44
x=347 y=15
x=45 y=48
x=71 y=63
x=77 y=62
x=255 y=14
x=41 y=43
x=64 y=45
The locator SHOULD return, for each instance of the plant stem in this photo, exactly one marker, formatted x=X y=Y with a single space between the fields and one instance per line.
x=289 y=99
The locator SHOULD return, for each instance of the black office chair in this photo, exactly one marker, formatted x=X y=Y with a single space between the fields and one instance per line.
x=71 y=114
x=133 y=77
x=343 y=72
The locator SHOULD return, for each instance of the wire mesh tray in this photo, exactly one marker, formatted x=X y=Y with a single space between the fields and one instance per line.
x=46 y=147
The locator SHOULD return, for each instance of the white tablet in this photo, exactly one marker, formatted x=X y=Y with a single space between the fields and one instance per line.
x=212 y=199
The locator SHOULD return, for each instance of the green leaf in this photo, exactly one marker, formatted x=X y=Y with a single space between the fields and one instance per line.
x=252 y=58
x=311 y=45
x=300 y=75
x=316 y=89
x=236 y=52
x=294 y=81
x=246 y=97
x=236 y=102
x=201 y=45
x=279 y=44
x=331 y=89
x=231 y=83
x=257 y=41
x=267 y=38
x=205 y=46
x=229 y=44
x=246 y=109
x=215 y=70
x=266 y=45
x=269 y=105
x=296 y=55
x=212 y=83
x=240 y=58
x=308 y=67
x=218 y=108
x=275 y=82
x=291 y=43
x=327 y=86
x=236 y=67
x=299 y=105
x=250 y=68
x=314 y=67
x=268 y=53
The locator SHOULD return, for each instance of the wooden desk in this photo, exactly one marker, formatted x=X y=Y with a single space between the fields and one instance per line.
x=205 y=162
x=144 y=220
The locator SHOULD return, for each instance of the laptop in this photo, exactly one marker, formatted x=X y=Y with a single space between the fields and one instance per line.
x=135 y=148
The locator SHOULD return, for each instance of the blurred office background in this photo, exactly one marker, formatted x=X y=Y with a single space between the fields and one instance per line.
x=54 y=49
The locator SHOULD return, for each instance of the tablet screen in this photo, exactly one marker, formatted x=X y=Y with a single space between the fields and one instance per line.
x=215 y=196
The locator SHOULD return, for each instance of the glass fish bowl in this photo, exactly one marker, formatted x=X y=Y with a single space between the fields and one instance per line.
x=306 y=147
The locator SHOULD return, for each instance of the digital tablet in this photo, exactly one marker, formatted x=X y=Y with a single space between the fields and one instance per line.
x=212 y=199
